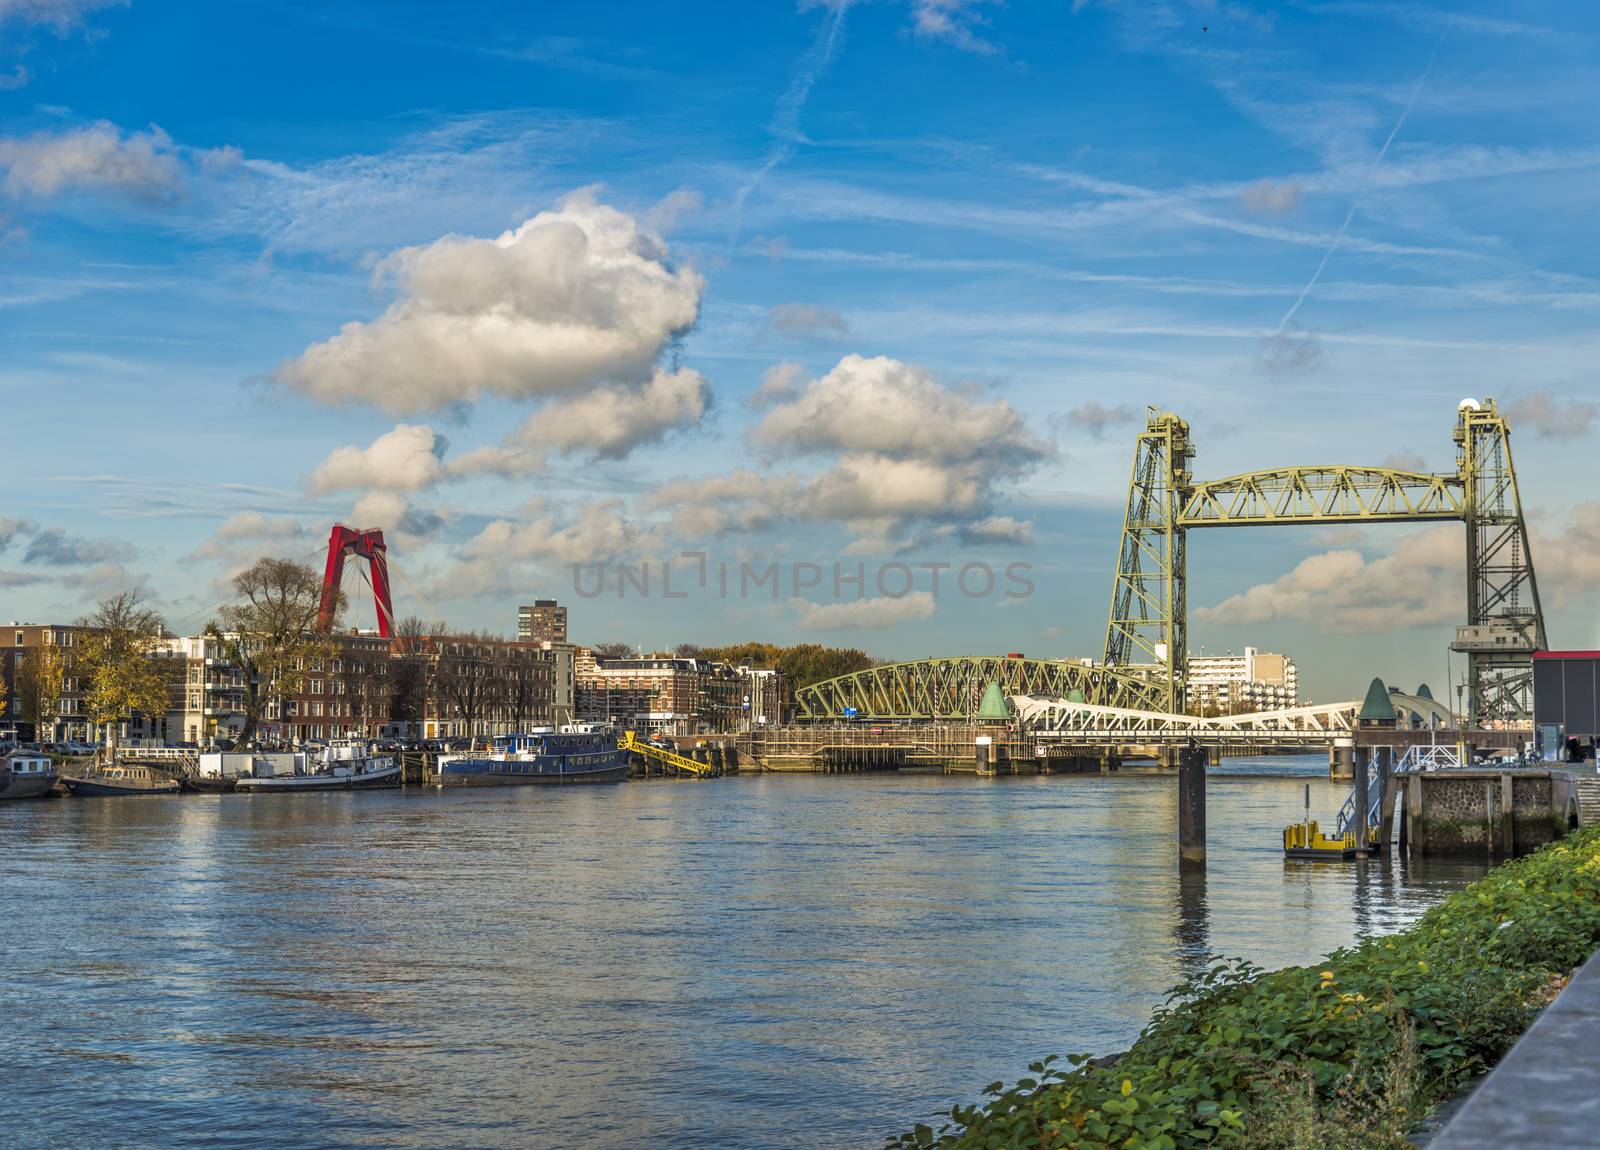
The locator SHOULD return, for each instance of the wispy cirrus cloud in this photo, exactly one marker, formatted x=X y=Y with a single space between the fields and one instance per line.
x=61 y=16
x=953 y=22
x=785 y=124
x=805 y=319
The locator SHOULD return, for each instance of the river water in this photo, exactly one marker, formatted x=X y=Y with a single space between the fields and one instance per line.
x=796 y=962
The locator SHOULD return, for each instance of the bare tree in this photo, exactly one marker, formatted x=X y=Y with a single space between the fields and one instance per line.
x=411 y=670
x=366 y=686
x=525 y=687
x=612 y=650
x=271 y=634
x=463 y=679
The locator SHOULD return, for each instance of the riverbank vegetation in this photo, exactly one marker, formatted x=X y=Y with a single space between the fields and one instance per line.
x=1348 y=1054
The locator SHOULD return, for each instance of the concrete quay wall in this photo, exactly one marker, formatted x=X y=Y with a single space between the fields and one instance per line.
x=1539 y=1096
x=1502 y=812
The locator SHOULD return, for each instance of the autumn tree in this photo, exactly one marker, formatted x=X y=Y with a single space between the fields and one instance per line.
x=802 y=665
x=41 y=681
x=270 y=634
x=119 y=664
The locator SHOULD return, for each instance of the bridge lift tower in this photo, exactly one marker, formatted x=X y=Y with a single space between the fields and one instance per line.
x=362 y=543
x=1505 y=624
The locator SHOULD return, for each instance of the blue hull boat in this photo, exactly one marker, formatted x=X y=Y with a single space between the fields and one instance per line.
x=575 y=754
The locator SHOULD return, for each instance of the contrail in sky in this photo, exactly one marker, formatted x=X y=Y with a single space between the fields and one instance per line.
x=786 y=116
x=1362 y=192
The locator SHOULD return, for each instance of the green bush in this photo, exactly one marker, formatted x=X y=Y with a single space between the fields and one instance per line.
x=1346 y=1055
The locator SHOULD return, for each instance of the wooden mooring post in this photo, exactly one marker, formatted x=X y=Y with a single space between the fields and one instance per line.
x=1192 y=805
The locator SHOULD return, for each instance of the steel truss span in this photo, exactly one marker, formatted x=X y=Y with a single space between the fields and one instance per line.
x=1323 y=495
x=1084 y=722
x=953 y=688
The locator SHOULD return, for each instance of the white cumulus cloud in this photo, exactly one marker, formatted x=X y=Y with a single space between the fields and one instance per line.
x=1551 y=416
x=597 y=531
x=865 y=614
x=1420 y=583
x=896 y=447
x=612 y=421
x=779 y=383
x=96 y=157
x=409 y=458
x=573 y=298
x=886 y=407
x=999 y=529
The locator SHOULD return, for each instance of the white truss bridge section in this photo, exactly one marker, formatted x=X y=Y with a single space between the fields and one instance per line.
x=1063 y=721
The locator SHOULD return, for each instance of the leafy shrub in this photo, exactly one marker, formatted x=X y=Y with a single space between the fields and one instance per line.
x=1350 y=1053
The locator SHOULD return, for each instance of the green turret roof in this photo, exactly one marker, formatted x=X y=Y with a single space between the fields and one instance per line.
x=1424 y=693
x=1377 y=708
x=994 y=703
x=1075 y=696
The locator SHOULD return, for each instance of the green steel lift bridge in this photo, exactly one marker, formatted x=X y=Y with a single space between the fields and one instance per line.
x=1147 y=632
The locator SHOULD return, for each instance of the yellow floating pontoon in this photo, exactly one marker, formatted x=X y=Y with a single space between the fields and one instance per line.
x=1306 y=841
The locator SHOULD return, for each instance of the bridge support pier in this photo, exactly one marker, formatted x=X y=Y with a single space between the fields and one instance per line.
x=1341 y=756
x=1362 y=759
x=1386 y=797
x=1192 y=806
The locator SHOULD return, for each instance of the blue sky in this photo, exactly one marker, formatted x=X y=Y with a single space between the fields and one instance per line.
x=882 y=283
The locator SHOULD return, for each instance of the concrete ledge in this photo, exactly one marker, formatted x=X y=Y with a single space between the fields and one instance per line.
x=1542 y=1094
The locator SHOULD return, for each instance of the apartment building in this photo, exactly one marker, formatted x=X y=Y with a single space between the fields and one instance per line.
x=18 y=643
x=206 y=692
x=542 y=621
x=674 y=695
x=1252 y=681
x=346 y=695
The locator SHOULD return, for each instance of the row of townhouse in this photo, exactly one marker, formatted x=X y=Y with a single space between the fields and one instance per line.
x=68 y=718
x=448 y=686
x=677 y=696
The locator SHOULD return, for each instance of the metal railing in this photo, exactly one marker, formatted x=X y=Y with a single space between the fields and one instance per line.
x=1438 y=757
x=1347 y=813
x=667 y=758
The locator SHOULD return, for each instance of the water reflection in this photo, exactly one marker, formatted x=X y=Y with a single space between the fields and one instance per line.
x=756 y=962
x=1193 y=932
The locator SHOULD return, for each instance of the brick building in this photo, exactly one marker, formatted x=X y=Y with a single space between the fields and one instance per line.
x=542 y=621
x=674 y=695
